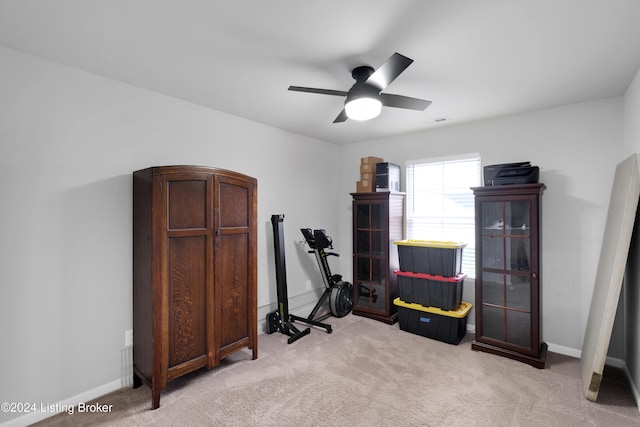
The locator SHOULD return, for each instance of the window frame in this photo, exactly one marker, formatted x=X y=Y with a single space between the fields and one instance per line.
x=469 y=251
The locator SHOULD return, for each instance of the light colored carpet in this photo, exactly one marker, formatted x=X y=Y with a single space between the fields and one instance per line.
x=367 y=373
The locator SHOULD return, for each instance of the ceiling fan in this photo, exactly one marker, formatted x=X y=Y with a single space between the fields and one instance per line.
x=364 y=100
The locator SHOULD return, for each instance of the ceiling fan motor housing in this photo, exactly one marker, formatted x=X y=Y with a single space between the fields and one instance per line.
x=361 y=74
x=362 y=90
x=363 y=100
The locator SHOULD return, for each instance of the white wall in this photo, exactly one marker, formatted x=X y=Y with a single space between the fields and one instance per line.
x=577 y=148
x=69 y=141
x=631 y=288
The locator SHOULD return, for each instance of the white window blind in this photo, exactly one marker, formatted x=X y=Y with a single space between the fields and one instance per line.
x=440 y=204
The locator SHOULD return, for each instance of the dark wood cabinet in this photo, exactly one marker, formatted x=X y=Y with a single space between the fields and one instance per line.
x=378 y=221
x=508 y=282
x=194 y=271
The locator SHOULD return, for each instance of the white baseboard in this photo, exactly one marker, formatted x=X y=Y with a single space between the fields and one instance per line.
x=299 y=305
x=619 y=363
x=59 y=407
x=634 y=387
x=567 y=351
x=616 y=363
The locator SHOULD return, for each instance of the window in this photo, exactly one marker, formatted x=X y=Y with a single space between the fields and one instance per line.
x=440 y=204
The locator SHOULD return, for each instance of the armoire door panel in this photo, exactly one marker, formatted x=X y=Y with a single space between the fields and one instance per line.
x=187 y=204
x=187 y=298
x=234 y=208
x=234 y=279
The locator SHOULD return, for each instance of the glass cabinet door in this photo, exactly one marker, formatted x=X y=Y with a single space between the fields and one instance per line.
x=505 y=271
x=371 y=287
x=508 y=300
x=370 y=255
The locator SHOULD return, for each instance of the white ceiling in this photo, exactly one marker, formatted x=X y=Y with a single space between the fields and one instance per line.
x=474 y=59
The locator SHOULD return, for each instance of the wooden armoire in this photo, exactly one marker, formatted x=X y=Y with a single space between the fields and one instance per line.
x=194 y=271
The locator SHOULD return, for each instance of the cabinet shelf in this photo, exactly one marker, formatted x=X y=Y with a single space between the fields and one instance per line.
x=506 y=308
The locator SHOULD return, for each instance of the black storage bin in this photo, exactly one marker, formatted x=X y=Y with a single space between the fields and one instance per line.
x=445 y=326
x=430 y=257
x=431 y=291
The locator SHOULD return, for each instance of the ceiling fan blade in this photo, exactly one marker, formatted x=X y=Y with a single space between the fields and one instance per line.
x=341 y=117
x=320 y=91
x=399 y=101
x=387 y=72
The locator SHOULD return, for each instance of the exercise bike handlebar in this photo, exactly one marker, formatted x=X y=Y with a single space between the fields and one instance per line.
x=326 y=253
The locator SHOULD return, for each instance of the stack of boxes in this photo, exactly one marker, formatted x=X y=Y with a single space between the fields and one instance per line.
x=430 y=285
x=377 y=175
x=367 y=174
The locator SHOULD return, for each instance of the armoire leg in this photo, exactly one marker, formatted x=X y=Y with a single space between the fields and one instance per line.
x=155 y=396
x=137 y=382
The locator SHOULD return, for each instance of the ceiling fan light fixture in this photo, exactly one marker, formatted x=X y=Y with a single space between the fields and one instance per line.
x=365 y=98
x=362 y=109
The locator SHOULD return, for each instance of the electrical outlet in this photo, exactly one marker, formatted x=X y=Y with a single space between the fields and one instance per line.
x=128 y=338
x=309 y=285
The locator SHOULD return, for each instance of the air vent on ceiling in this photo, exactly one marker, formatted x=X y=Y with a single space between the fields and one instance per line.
x=435 y=120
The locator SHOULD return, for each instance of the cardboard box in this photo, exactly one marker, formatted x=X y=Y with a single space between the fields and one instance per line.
x=364 y=186
x=368 y=168
x=368 y=164
x=367 y=177
x=367 y=174
x=370 y=160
